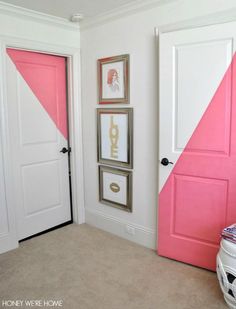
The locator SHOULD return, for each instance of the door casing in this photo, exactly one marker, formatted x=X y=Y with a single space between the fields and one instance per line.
x=74 y=124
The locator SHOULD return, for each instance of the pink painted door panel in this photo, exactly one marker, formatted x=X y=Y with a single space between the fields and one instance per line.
x=198 y=196
x=36 y=92
x=46 y=76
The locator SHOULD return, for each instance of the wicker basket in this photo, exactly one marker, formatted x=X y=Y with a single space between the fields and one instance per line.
x=226 y=271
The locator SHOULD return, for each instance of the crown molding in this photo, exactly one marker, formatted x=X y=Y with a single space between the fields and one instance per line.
x=16 y=11
x=201 y=21
x=124 y=10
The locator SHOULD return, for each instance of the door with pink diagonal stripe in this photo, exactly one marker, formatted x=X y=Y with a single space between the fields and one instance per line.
x=36 y=94
x=197 y=175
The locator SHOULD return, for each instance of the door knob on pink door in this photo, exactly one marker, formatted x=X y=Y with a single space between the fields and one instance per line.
x=165 y=161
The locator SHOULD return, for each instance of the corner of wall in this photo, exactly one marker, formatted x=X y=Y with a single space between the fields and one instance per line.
x=130 y=231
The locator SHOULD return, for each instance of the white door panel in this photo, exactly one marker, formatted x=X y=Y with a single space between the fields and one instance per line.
x=44 y=129
x=191 y=97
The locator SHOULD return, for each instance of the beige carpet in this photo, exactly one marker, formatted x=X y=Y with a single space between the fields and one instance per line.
x=90 y=269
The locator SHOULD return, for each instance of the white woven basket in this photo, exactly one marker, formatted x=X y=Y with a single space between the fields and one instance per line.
x=226 y=271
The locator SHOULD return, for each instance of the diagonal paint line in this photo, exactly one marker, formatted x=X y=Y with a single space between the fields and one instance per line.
x=202 y=134
x=46 y=77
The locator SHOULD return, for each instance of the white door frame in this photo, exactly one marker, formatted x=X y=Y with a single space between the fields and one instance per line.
x=74 y=117
x=201 y=21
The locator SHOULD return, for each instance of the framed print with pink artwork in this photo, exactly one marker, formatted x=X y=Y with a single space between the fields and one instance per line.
x=113 y=80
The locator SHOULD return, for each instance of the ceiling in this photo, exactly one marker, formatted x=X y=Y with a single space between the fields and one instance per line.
x=66 y=8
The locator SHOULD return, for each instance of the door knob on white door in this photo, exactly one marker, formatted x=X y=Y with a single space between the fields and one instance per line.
x=65 y=150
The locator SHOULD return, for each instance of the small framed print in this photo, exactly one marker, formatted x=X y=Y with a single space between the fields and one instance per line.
x=115 y=187
x=113 y=79
x=115 y=136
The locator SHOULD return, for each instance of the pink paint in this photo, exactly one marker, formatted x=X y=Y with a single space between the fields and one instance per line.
x=46 y=76
x=199 y=197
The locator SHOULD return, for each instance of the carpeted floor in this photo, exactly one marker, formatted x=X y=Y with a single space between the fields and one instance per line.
x=86 y=268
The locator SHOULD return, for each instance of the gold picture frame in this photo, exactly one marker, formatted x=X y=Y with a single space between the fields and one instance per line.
x=113 y=80
x=115 y=187
x=115 y=136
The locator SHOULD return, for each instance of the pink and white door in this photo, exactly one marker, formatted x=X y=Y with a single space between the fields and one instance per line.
x=37 y=112
x=197 y=193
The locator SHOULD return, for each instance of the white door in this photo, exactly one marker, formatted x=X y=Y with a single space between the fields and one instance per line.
x=198 y=137
x=36 y=98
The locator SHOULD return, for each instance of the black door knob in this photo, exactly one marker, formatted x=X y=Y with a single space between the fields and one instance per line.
x=165 y=161
x=65 y=150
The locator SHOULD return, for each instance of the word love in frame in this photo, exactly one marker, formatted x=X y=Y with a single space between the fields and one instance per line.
x=115 y=136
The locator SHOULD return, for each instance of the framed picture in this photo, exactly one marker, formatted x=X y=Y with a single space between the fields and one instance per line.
x=115 y=136
x=115 y=187
x=113 y=79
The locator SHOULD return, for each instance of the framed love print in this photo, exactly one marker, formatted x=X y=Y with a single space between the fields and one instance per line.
x=115 y=187
x=113 y=79
x=115 y=136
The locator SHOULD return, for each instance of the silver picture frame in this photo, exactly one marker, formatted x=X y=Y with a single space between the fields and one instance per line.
x=113 y=80
x=115 y=136
x=115 y=187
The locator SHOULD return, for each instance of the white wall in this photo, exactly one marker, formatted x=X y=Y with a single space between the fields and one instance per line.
x=134 y=35
x=37 y=27
x=30 y=31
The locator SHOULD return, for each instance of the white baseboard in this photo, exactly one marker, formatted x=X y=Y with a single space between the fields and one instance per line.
x=142 y=235
x=8 y=242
